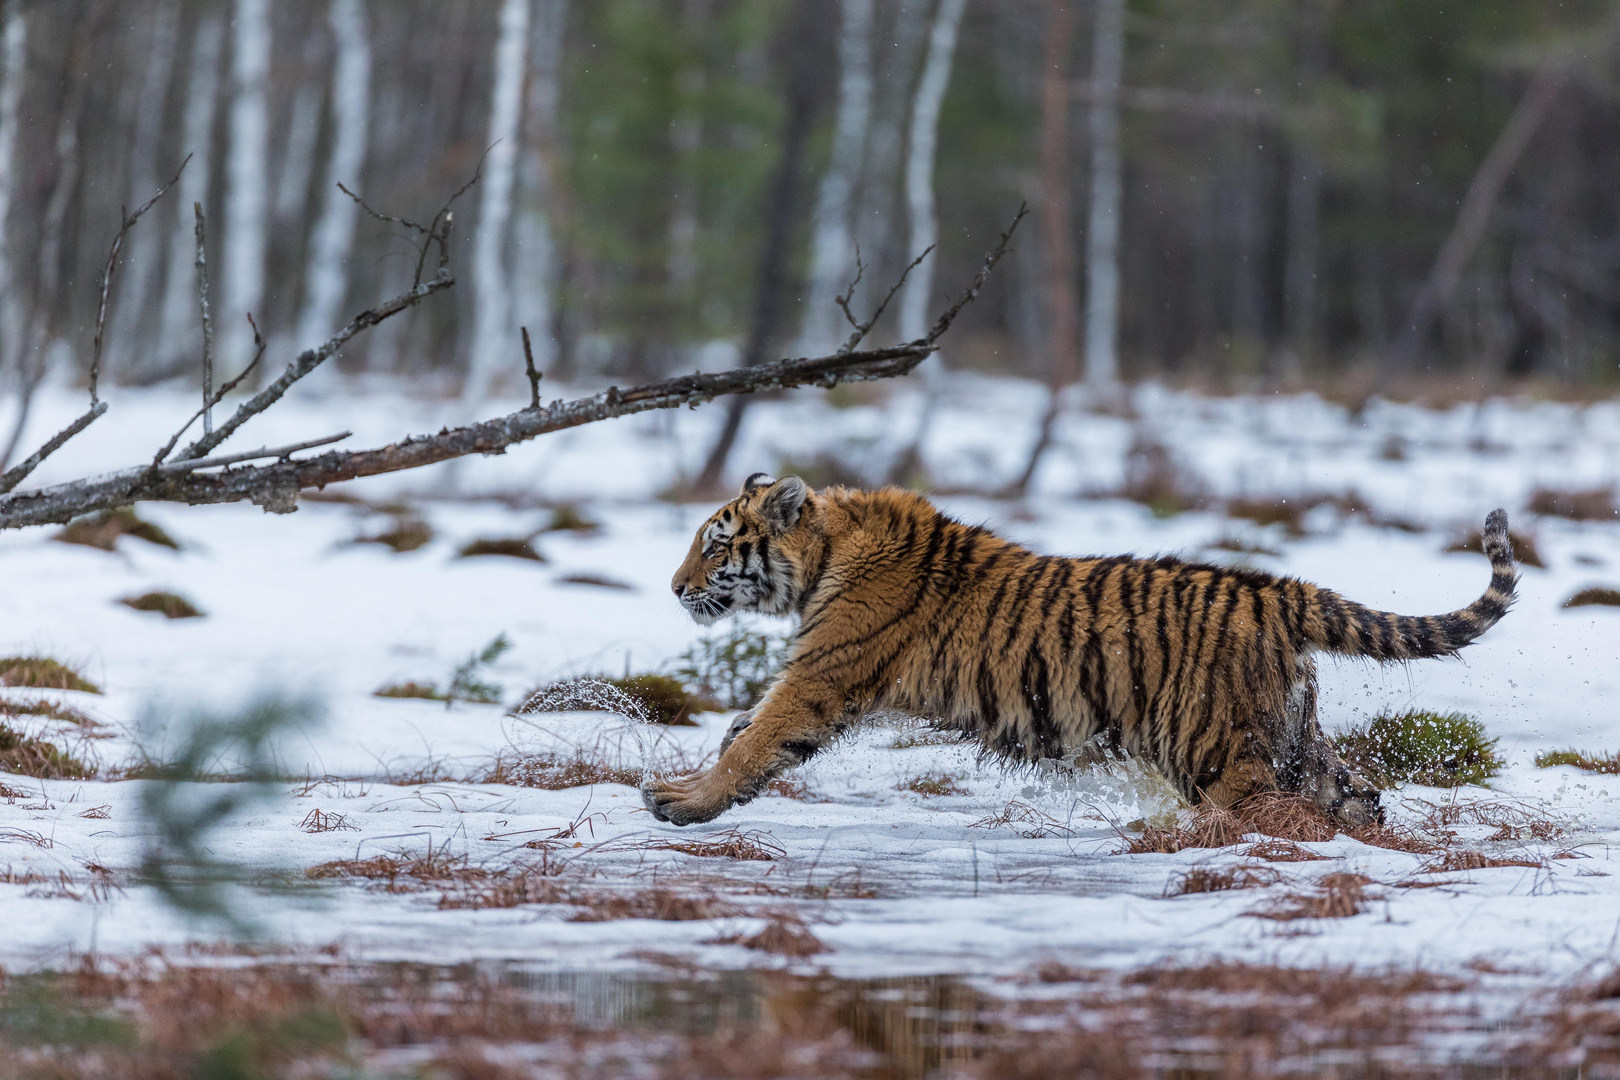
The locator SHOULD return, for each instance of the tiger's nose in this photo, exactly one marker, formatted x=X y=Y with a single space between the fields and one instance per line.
x=678 y=589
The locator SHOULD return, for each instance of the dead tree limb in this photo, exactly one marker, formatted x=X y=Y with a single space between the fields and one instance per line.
x=192 y=478
x=207 y=326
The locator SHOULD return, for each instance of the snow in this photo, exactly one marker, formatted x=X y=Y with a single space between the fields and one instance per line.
x=893 y=881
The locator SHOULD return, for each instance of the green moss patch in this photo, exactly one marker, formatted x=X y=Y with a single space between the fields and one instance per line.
x=43 y=673
x=169 y=605
x=1608 y=764
x=1421 y=747
x=103 y=530
x=28 y=756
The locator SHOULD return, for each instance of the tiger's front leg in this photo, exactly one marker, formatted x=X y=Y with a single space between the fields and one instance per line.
x=786 y=729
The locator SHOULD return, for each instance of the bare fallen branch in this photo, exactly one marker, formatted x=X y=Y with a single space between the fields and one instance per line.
x=858 y=335
x=207 y=327
x=310 y=359
x=275 y=486
x=218 y=395
x=283 y=452
x=19 y=472
x=528 y=365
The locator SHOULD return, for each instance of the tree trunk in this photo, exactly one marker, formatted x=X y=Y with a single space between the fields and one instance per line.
x=536 y=254
x=493 y=340
x=1058 y=235
x=178 y=338
x=326 y=281
x=1472 y=218
x=832 y=246
x=133 y=312
x=1102 y=230
x=14 y=55
x=247 y=181
x=781 y=209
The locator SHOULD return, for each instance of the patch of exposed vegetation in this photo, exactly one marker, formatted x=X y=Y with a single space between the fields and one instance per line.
x=169 y=605
x=1153 y=478
x=512 y=547
x=934 y=784
x=595 y=580
x=467 y=681
x=48 y=710
x=1336 y=896
x=567 y=517
x=26 y=755
x=43 y=673
x=744 y=847
x=1608 y=764
x=408 y=532
x=648 y=699
x=1239 y=546
x=1452 y=861
x=103 y=530
x=1208 y=879
x=1275 y=814
x=555 y=772
x=1525 y=551
x=733 y=669
x=1596 y=596
x=1589 y=504
x=1421 y=747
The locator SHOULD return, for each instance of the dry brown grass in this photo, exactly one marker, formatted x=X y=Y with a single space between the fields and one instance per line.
x=1282 y=851
x=785 y=788
x=319 y=821
x=512 y=547
x=744 y=847
x=408 y=533
x=1590 y=504
x=27 y=755
x=43 y=673
x=663 y=904
x=1208 y=879
x=48 y=710
x=554 y=772
x=1336 y=896
x=1584 y=760
x=1595 y=596
x=596 y=581
x=168 y=604
x=1275 y=814
x=1525 y=551
x=1028 y=821
x=1453 y=861
x=103 y=530
x=785 y=934
x=933 y=784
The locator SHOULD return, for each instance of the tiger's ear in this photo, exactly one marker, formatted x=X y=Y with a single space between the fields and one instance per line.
x=757 y=481
x=784 y=502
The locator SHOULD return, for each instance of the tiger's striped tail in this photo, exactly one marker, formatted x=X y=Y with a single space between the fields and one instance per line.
x=1341 y=626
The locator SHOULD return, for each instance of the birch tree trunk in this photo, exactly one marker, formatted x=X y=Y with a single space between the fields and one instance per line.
x=142 y=261
x=492 y=294
x=14 y=55
x=924 y=228
x=247 y=178
x=832 y=245
x=903 y=47
x=536 y=254
x=179 y=287
x=1102 y=231
x=326 y=280
x=920 y=168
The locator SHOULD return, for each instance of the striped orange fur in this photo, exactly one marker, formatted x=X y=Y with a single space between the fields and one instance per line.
x=1206 y=672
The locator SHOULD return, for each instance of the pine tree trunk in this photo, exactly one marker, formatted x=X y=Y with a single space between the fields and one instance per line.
x=832 y=247
x=180 y=337
x=493 y=340
x=1102 y=229
x=326 y=281
x=247 y=183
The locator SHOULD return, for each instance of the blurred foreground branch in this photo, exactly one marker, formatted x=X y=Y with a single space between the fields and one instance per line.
x=197 y=480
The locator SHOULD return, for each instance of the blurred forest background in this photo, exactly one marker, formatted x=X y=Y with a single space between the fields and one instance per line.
x=1230 y=193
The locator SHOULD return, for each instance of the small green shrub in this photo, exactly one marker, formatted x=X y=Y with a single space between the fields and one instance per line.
x=28 y=756
x=734 y=669
x=467 y=682
x=667 y=700
x=169 y=605
x=1597 y=596
x=1581 y=759
x=1421 y=747
x=103 y=530
x=43 y=673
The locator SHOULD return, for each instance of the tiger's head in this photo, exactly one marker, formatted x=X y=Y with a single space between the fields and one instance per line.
x=746 y=556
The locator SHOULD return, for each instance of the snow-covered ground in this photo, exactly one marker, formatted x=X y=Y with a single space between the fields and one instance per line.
x=891 y=880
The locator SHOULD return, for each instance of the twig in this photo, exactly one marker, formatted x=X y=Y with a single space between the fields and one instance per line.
x=849 y=293
x=175 y=467
x=207 y=320
x=862 y=329
x=129 y=221
x=219 y=395
x=310 y=359
x=18 y=473
x=534 y=376
x=431 y=232
x=990 y=260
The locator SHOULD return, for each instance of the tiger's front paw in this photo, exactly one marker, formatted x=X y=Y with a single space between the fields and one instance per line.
x=684 y=800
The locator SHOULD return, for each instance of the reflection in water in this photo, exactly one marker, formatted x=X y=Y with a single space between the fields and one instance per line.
x=917 y=1026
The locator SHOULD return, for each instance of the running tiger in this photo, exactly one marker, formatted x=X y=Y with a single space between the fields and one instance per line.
x=1205 y=672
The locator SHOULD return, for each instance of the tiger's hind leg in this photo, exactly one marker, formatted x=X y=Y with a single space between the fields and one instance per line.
x=1307 y=762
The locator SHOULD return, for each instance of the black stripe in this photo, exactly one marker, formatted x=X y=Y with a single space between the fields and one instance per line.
x=1132 y=599
x=1028 y=577
x=1221 y=626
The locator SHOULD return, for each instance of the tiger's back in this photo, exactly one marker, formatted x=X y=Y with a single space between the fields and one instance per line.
x=1204 y=671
